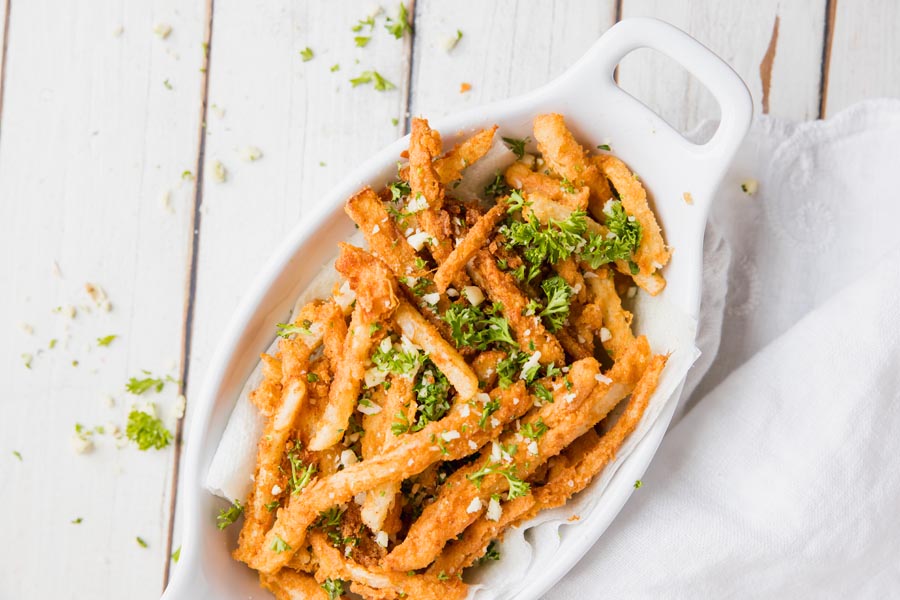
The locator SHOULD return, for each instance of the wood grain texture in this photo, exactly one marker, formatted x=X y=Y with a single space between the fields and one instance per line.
x=91 y=140
x=508 y=47
x=865 y=53
x=741 y=34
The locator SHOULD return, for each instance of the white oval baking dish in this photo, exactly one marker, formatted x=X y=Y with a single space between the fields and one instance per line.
x=596 y=109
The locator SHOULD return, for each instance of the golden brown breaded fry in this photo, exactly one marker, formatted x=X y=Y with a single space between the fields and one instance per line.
x=269 y=454
x=519 y=176
x=414 y=454
x=267 y=395
x=475 y=239
x=440 y=351
x=290 y=585
x=460 y=501
x=424 y=180
x=377 y=583
x=652 y=253
x=576 y=348
x=616 y=319
x=376 y=298
x=501 y=287
x=564 y=155
x=450 y=166
x=485 y=367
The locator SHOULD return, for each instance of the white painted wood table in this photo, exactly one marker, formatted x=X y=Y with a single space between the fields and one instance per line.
x=109 y=130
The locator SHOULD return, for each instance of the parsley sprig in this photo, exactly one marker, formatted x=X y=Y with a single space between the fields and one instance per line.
x=517 y=146
x=517 y=487
x=398 y=26
x=334 y=588
x=147 y=430
x=229 y=515
x=556 y=310
x=478 y=328
x=625 y=237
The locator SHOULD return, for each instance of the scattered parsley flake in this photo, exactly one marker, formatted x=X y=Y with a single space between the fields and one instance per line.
x=141 y=542
x=26 y=360
x=335 y=67
x=638 y=483
x=176 y=555
x=398 y=26
x=288 y=329
x=229 y=515
x=498 y=187
x=312 y=377
x=517 y=146
x=17 y=454
x=106 y=340
x=76 y=521
x=395 y=121
x=279 y=545
x=492 y=553
x=301 y=474
x=334 y=588
x=367 y=22
x=139 y=386
x=307 y=54
x=362 y=41
x=517 y=487
x=167 y=84
x=147 y=431
x=603 y=147
x=534 y=431
x=556 y=311
x=187 y=176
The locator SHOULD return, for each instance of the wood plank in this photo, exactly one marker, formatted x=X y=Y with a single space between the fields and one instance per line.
x=783 y=72
x=91 y=139
x=508 y=47
x=865 y=54
x=310 y=124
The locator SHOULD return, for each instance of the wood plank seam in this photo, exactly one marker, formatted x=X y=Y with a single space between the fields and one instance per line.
x=4 y=49
x=830 y=16
x=765 y=67
x=409 y=49
x=191 y=283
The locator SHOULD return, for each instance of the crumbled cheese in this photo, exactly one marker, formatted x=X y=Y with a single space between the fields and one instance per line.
x=581 y=339
x=418 y=239
x=527 y=332
x=495 y=451
x=276 y=489
x=360 y=498
x=464 y=410
x=218 y=111
x=376 y=228
x=527 y=160
x=571 y=483
x=494 y=510
x=495 y=422
x=577 y=288
x=473 y=294
x=251 y=153
x=570 y=397
x=532 y=447
x=55 y=270
x=532 y=362
x=474 y=505
x=118 y=31
x=368 y=409
x=656 y=266
x=631 y=219
x=515 y=401
x=82 y=444
x=605 y=335
x=449 y=42
x=162 y=30
x=431 y=298
x=180 y=405
x=165 y=200
x=600 y=377
x=99 y=297
x=688 y=198
x=26 y=328
x=452 y=293
x=345 y=296
x=219 y=172
x=473 y=445
x=590 y=275
x=381 y=538
x=110 y=401
x=610 y=235
x=416 y=204
x=632 y=292
x=608 y=207
x=409 y=463
x=449 y=436
x=348 y=458
x=482 y=397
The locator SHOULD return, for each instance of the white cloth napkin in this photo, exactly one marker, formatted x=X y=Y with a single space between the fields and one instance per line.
x=782 y=479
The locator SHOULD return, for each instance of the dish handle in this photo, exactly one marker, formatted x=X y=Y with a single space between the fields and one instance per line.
x=707 y=161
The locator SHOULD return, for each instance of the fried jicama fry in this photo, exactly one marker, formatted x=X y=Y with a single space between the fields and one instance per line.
x=466 y=493
x=290 y=585
x=412 y=456
x=450 y=166
x=520 y=177
x=475 y=239
x=376 y=298
x=424 y=147
x=651 y=254
x=442 y=353
x=502 y=288
x=564 y=155
x=373 y=582
x=378 y=438
x=268 y=479
x=615 y=319
x=267 y=394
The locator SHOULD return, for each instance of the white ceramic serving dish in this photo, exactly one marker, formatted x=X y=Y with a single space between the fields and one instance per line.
x=597 y=110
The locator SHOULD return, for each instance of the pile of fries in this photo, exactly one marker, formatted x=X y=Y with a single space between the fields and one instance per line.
x=475 y=367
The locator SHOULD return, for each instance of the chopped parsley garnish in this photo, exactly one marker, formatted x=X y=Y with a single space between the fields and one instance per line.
x=542 y=392
x=490 y=407
x=229 y=515
x=141 y=542
x=516 y=146
x=603 y=147
x=638 y=483
x=399 y=189
x=147 y=430
x=517 y=487
x=534 y=431
x=516 y=201
x=367 y=22
x=400 y=25
x=556 y=311
x=17 y=454
x=442 y=576
x=492 y=553
x=76 y=521
x=395 y=121
x=362 y=40
x=401 y=359
x=334 y=588
x=335 y=67
x=307 y=54
x=545 y=244
x=373 y=328
x=472 y=326
x=330 y=518
x=498 y=187
x=312 y=377
x=381 y=84
x=106 y=340
x=176 y=555
x=432 y=391
x=289 y=329
x=623 y=239
x=139 y=386
x=187 y=175
x=301 y=474
x=279 y=545
x=167 y=84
